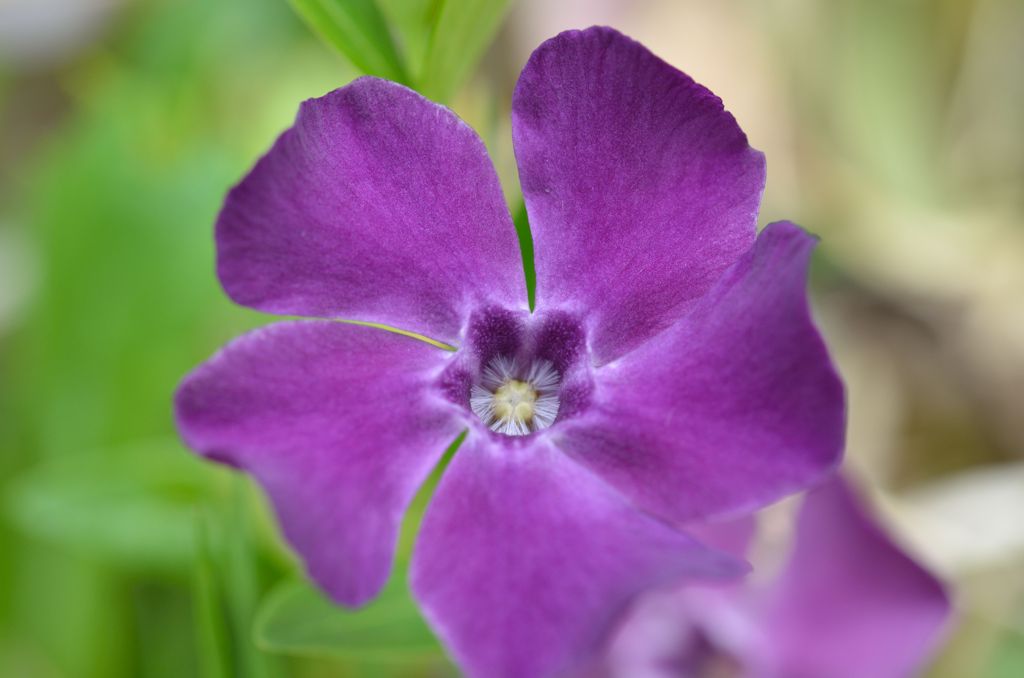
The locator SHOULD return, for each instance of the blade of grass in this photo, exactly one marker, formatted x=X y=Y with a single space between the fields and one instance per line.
x=212 y=641
x=522 y=223
x=242 y=586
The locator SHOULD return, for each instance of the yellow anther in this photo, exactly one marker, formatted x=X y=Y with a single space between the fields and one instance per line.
x=514 y=400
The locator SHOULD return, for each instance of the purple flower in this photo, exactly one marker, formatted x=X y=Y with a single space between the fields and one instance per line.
x=670 y=372
x=847 y=603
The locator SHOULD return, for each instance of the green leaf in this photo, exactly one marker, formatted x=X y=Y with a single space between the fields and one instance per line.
x=413 y=21
x=296 y=619
x=134 y=506
x=358 y=30
x=463 y=30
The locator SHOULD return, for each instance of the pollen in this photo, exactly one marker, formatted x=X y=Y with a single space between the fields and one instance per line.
x=515 y=401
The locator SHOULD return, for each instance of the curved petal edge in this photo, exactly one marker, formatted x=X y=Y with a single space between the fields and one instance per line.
x=733 y=407
x=525 y=560
x=377 y=205
x=339 y=426
x=640 y=188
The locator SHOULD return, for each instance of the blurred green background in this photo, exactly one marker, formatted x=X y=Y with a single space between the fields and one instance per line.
x=894 y=129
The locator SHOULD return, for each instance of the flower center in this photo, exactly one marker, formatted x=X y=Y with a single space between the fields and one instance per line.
x=514 y=401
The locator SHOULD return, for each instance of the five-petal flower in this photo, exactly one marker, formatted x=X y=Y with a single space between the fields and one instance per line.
x=670 y=372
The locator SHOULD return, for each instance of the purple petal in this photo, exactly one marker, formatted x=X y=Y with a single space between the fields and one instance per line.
x=525 y=558
x=730 y=409
x=850 y=603
x=378 y=205
x=640 y=188
x=340 y=426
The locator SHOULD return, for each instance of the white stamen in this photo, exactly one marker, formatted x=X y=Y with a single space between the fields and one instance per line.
x=513 y=404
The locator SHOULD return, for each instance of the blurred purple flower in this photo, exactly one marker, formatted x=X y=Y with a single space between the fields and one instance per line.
x=671 y=371
x=847 y=603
